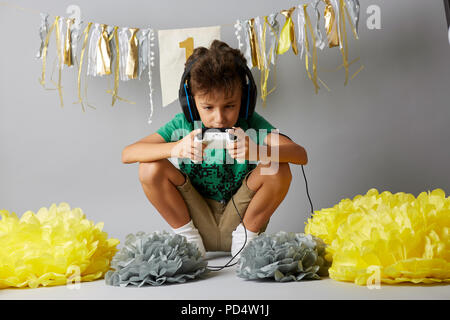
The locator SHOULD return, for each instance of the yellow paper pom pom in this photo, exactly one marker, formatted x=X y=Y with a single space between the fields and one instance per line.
x=55 y=246
x=402 y=238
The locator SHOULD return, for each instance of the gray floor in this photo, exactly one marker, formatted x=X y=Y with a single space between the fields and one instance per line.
x=226 y=285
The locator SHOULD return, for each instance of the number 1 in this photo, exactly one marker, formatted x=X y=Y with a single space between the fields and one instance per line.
x=188 y=45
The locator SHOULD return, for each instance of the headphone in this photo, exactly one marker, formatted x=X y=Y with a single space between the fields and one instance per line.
x=248 y=101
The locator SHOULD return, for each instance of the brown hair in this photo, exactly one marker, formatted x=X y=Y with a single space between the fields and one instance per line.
x=216 y=69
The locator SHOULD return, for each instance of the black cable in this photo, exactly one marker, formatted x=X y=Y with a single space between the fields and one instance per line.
x=307 y=192
x=227 y=265
x=242 y=221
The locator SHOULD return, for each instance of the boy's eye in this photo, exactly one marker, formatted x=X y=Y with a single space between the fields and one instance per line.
x=209 y=107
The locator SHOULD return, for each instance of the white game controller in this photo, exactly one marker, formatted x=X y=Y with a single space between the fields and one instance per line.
x=214 y=138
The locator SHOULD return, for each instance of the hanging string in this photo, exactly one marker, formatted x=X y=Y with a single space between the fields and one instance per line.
x=334 y=32
x=60 y=58
x=63 y=52
x=308 y=24
x=115 y=91
x=44 y=53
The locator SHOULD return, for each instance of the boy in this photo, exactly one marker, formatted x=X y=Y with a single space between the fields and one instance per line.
x=194 y=200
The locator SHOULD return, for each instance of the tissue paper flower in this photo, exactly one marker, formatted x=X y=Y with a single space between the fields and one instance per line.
x=387 y=237
x=56 y=246
x=155 y=259
x=284 y=257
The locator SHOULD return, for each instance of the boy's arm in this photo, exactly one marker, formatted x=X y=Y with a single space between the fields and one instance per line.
x=148 y=149
x=288 y=150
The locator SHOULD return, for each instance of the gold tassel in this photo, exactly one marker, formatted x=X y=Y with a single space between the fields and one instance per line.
x=308 y=24
x=287 y=35
x=266 y=68
x=104 y=52
x=341 y=34
x=115 y=91
x=331 y=25
x=60 y=60
x=133 y=55
x=68 y=44
x=344 y=49
x=256 y=59
x=116 y=71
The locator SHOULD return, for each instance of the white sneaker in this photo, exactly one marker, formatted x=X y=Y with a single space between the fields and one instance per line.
x=192 y=235
x=238 y=239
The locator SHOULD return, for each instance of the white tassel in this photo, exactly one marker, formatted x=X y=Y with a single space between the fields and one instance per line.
x=43 y=31
x=273 y=36
x=151 y=63
x=238 y=27
x=143 y=39
x=92 y=56
x=301 y=30
x=248 y=46
x=320 y=43
x=123 y=51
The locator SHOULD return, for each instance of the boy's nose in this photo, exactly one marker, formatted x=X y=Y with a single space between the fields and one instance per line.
x=220 y=118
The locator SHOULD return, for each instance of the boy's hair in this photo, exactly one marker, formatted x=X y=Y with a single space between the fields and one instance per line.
x=216 y=69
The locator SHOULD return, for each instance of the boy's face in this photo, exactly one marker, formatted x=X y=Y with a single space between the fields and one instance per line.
x=217 y=110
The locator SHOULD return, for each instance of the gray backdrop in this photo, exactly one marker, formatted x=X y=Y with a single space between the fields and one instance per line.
x=387 y=129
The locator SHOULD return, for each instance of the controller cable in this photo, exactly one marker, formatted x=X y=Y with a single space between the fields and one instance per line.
x=227 y=265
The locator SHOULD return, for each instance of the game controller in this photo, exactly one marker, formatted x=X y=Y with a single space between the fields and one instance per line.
x=215 y=138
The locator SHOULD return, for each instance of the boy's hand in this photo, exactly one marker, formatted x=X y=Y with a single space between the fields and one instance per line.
x=186 y=148
x=243 y=148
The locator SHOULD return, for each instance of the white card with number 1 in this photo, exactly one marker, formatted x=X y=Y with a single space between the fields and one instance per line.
x=175 y=46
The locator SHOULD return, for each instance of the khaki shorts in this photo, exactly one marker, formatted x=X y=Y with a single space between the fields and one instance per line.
x=214 y=220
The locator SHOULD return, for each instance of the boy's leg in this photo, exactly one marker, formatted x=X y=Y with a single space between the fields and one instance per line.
x=178 y=202
x=270 y=191
x=159 y=180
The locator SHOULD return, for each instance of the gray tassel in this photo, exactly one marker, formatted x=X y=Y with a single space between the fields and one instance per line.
x=155 y=259
x=284 y=256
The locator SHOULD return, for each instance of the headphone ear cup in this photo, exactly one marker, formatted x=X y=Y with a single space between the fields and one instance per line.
x=195 y=113
x=187 y=103
x=248 y=101
x=186 y=98
x=249 y=92
x=183 y=103
x=244 y=102
x=253 y=95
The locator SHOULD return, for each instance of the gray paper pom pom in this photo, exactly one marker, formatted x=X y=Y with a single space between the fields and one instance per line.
x=156 y=258
x=283 y=256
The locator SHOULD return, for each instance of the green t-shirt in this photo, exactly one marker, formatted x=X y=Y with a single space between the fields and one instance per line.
x=219 y=176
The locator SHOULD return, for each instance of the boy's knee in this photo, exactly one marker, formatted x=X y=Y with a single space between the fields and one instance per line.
x=150 y=171
x=285 y=171
x=279 y=176
x=284 y=174
x=280 y=172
